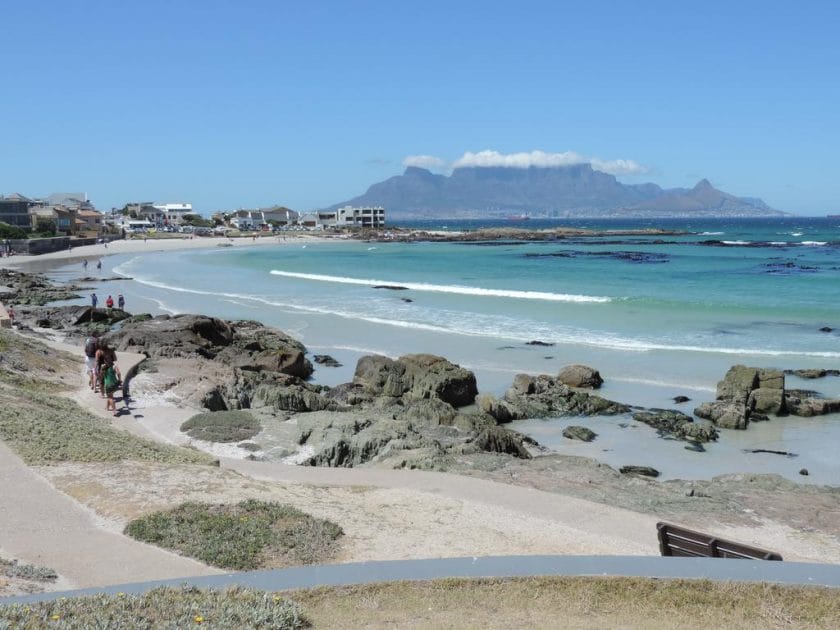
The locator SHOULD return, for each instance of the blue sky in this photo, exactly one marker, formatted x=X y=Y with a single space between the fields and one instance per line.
x=237 y=104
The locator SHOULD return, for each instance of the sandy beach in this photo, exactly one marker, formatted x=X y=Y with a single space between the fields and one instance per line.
x=386 y=514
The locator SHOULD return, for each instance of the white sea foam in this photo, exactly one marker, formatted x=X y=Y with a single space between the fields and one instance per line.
x=470 y=327
x=815 y=243
x=444 y=288
x=736 y=242
x=710 y=233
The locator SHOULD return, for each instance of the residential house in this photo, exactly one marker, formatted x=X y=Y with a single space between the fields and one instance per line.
x=14 y=210
x=349 y=216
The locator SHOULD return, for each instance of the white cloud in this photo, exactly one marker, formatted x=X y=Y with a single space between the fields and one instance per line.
x=619 y=167
x=539 y=159
x=519 y=160
x=425 y=161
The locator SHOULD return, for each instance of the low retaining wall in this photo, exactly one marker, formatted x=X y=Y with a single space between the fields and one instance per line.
x=36 y=246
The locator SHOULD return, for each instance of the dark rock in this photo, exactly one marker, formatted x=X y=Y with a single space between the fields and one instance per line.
x=697 y=447
x=767 y=400
x=576 y=432
x=803 y=472
x=537 y=342
x=407 y=300
x=325 y=359
x=737 y=384
x=681 y=399
x=726 y=415
x=416 y=376
x=809 y=407
x=769 y=451
x=677 y=424
x=645 y=471
x=826 y=329
x=580 y=376
x=501 y=410
x=543 y=395
x=500 y=440
x=390 y=287
x=813 y=373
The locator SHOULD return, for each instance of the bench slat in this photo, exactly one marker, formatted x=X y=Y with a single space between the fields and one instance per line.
x=679 y=541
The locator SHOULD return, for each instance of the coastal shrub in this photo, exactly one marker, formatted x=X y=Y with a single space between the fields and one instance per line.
x=222 y=426
x=249 y=535
x=12 y=569
x=44 y=428
x=164 y=607
x=11 y=231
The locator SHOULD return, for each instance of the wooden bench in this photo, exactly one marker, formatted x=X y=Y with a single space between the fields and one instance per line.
x=678 y=541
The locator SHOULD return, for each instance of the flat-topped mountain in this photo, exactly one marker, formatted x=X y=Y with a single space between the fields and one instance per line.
x=567 y=191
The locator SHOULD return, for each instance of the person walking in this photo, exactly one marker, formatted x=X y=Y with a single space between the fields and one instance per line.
x=84 y=264
x=111 y=378
x=121 y=302
x=98 y=265
x=91 y=346
x=11 y=313
x=105 y=356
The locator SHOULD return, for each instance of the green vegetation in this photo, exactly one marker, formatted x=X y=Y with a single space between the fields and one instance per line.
x=11 y=231
x=540 y=602
x=11 y=569
x=44 y=428
x=161 y=608
x=250 y=535
x=222 y=426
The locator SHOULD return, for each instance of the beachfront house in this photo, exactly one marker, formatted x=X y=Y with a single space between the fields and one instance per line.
x=173 y=214
x=14 y=210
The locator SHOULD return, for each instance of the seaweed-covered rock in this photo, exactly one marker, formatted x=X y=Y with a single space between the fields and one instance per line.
x=580 y=376
x=543 y=395
x=644 y=471
x=222 y=426
x=677 y=424
x=576 y=432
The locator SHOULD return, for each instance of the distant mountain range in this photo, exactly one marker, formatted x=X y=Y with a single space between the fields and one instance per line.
x=567 y=191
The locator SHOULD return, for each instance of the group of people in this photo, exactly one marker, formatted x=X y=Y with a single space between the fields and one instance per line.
x=102 y=371
x=109 y=303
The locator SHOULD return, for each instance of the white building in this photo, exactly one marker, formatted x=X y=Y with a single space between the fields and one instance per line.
x=172 y=213
x=348 y=216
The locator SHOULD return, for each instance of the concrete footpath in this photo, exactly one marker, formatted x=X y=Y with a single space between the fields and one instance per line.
x=791 y=573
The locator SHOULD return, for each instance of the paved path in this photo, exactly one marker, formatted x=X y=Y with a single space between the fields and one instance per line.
x=798 y=573
x=41 y=525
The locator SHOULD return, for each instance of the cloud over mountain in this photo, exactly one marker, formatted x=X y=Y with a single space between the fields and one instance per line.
x=525 y=159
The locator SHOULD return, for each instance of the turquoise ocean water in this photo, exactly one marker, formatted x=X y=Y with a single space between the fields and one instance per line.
x=658 y=316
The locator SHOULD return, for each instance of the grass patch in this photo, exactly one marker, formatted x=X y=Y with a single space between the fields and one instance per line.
x=45 y=428
x=249 y=535
x=160 y=608
x=571 y=602
x=222 y=426
x=12 y=569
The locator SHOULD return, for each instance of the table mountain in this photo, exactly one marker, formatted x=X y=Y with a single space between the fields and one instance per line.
x=569 y=191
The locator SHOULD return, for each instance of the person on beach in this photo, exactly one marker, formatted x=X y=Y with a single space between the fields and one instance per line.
x=93 y=300
x=109 y=303
x=121 y=302
x=105 y=356
x=98 y=265
x=91 y=346
x=11 y=313
x=111 y=382
x=84 y=264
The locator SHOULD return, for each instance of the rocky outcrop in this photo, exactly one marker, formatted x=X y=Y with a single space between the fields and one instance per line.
x=811 y=406
x=742 y=392
x=580 y=376
x=416 y=377
x=812 y=373
x=677 y=424
x=34 y=289
x=244 y=345
x=575 y=432
x=542 y=396
x=644 y=471
x=407 y=440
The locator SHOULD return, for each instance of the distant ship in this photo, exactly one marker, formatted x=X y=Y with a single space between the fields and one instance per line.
x=518 y=217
